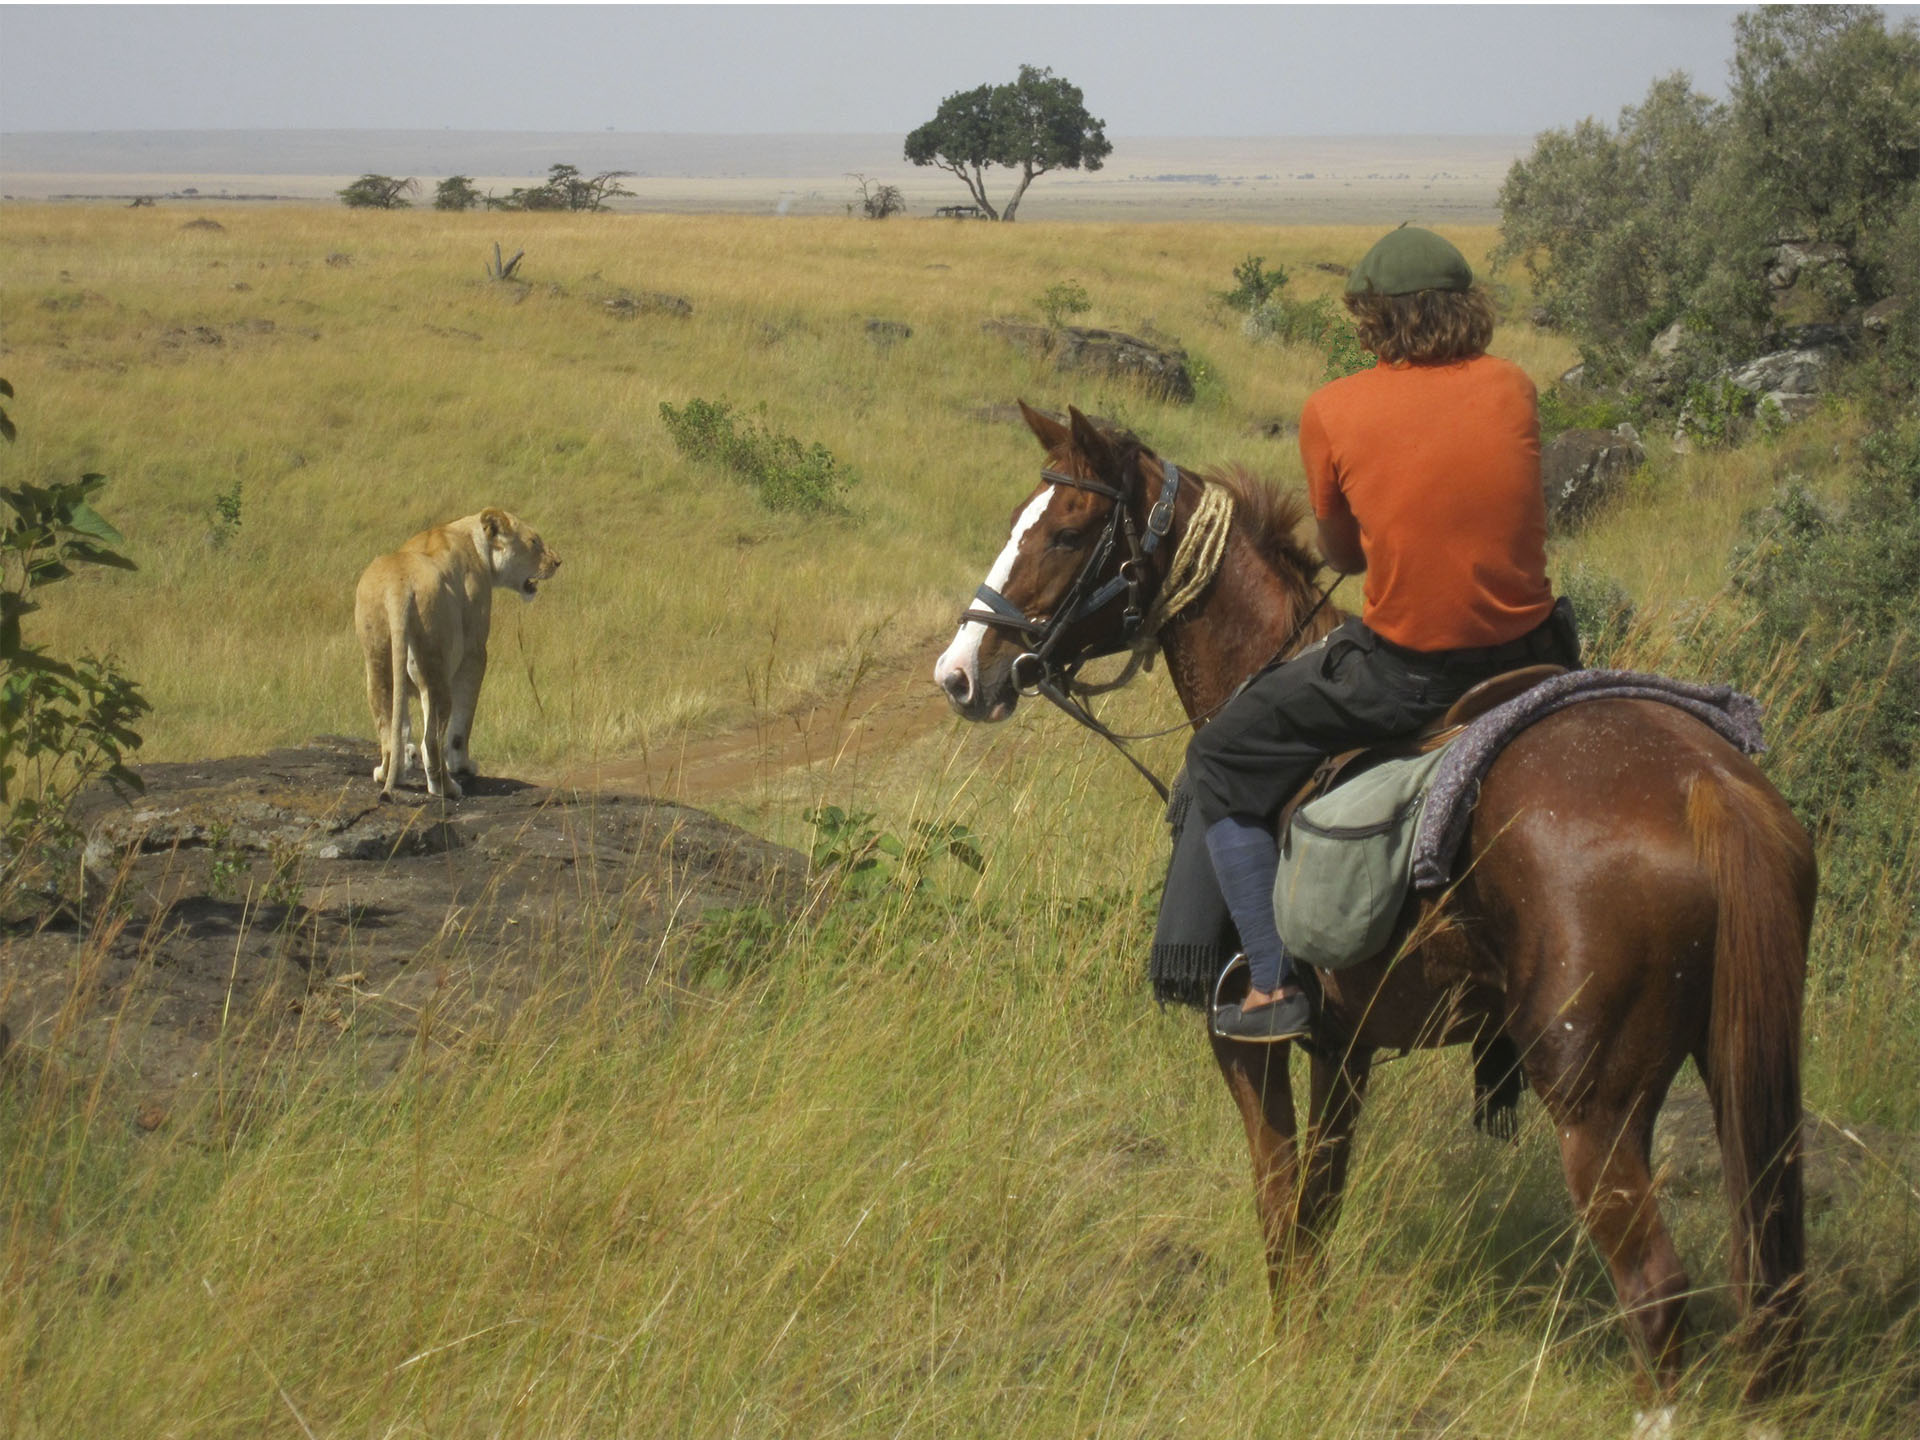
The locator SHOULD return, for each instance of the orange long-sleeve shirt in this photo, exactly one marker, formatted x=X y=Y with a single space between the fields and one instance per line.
x=1440 y=466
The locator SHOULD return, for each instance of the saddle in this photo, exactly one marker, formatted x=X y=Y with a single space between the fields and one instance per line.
x=1487 y=695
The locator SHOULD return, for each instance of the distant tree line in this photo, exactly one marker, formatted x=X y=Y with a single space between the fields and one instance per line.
x=1686 y=210
x=565 y=188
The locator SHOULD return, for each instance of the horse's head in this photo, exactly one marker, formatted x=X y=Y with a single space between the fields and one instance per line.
x=1055 y=593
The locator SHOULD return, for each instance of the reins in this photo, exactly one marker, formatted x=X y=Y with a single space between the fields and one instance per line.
x=1196 y=560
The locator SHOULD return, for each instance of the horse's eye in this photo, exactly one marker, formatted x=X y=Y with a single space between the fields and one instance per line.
x=1067 y=540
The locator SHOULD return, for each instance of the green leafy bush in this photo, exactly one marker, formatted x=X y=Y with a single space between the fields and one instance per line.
x=1320 y=323
x=860 y=860
x=1564 y=410
x=1840 y=586
x=1675 y=213
x=1253 y=284
x=785 y=473
x=63 y=722
x=378 y=192
x=1063 y=300
x=456 y=192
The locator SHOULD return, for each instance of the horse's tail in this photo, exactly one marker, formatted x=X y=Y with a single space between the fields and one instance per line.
x=1763 y=874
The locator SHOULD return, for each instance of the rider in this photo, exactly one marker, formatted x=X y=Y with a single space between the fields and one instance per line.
x=1423 y=472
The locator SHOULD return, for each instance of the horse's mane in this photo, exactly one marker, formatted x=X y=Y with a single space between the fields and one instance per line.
x=1269 y=516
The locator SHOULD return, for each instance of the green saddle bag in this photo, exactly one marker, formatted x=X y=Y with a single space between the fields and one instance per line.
x=1346 y=863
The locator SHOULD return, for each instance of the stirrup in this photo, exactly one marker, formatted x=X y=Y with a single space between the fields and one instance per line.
x=1276 y=1024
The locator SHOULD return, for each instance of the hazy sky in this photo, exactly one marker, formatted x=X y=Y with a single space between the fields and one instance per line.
x=1147 y=70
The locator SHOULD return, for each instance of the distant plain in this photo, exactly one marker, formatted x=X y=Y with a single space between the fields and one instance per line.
x=1299 y=180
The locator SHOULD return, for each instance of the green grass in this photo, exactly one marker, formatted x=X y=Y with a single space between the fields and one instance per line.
x=924 y=1164
x=405 y=388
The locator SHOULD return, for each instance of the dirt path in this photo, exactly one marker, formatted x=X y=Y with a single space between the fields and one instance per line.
x=893 y=704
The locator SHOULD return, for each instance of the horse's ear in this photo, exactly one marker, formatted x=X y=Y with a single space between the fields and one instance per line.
x=1092 y=444
x=1048 y=431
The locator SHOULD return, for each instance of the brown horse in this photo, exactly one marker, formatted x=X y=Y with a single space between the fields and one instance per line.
x=1636 y=892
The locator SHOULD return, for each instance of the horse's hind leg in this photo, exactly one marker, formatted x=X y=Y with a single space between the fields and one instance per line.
x=1605 y=1152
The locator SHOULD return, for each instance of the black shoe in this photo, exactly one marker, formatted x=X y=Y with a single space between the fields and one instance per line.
x=1289 y=1018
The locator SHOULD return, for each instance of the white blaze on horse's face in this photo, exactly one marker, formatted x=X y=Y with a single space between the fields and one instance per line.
x=957 y=671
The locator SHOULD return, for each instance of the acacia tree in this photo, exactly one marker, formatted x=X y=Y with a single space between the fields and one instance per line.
x=567 y=189
x=1035 y=124
x=378 y=192
x=456 y=192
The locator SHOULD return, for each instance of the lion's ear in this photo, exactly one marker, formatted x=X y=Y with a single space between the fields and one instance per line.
x=494 y=521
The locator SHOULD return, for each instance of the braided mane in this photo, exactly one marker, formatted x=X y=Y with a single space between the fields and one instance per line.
x=1269 y=516
x=1272 y=518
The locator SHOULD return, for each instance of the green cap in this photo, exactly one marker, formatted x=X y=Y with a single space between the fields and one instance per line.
x=1410 y=259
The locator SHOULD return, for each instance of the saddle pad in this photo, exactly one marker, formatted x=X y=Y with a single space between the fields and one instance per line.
x=1346 y=863
x=1448 y=811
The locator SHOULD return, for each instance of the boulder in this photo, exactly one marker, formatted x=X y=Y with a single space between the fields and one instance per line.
x=1583 y=469
x=1666 y=344
x=1162 y=372
x=1793 y=257
x=1792 y=379
x=1878 y=319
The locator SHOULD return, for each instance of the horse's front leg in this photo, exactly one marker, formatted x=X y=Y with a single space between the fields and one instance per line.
x=1337 y=1088
x=1256 y=1076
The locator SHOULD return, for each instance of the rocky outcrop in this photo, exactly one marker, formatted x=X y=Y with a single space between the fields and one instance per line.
x=1878 y=318
x=1584 y=469
x=279 y=890
x=1161 y=371
x=1794 y=258
x=1790 y=379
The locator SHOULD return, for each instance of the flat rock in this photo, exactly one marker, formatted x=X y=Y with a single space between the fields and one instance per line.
x=282 y=889
x=1161 y=370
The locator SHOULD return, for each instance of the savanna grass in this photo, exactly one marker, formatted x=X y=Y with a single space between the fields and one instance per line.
x=359 y=377
x=920 y=1163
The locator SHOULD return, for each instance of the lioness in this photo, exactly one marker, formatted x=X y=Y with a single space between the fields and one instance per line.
x=422 y=614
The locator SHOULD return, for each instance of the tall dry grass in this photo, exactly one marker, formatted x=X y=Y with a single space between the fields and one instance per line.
x=359 y=378
x=921 y=1164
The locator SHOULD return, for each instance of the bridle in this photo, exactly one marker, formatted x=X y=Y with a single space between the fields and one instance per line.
x=1038 y=665
x=1041 y=671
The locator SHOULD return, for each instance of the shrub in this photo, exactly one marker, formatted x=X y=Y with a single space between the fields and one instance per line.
x=1253 y=285
x=1563 y=410
x=876 y=201
x=1841 y=585
x=785 y=473
x=1675 y=213
x=1062 y=300
x=63 y=722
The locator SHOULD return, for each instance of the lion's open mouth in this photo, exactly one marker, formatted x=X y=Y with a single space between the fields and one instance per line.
x=530 y=588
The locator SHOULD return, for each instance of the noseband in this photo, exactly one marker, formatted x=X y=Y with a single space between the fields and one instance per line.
x=1035 y=669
